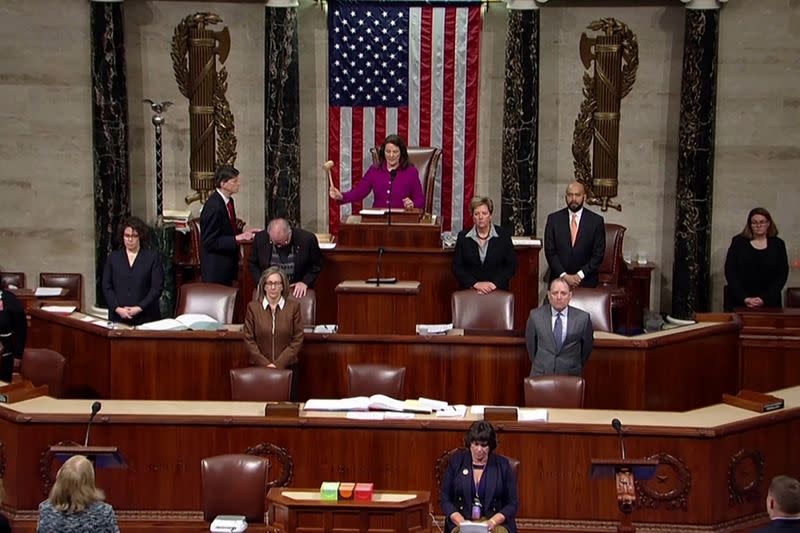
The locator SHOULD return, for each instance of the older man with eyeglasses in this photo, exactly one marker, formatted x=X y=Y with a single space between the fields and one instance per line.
x=294 y=250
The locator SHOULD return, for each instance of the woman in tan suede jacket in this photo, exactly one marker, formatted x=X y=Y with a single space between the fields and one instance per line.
x=273 y=329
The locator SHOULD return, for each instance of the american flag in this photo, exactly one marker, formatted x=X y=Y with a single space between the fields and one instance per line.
x=411 y=70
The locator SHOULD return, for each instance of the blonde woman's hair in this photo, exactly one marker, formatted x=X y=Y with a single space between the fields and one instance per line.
x=74 y=488
x=263 y=281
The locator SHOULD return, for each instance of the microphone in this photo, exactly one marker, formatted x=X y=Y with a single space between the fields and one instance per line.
x=380 y=260
x=617 y=425
x=392 y=176
x=95 y=409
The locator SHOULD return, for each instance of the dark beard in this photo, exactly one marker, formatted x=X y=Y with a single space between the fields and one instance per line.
x=575 y=209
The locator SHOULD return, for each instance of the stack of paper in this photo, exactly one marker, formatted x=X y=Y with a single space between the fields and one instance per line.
x=43 y=292
x=182 y=323
x=376 y=402
x=433 y=329
x=229 y=524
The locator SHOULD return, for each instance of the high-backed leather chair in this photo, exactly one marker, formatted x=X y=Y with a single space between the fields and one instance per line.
x=234 y=484
x=44 y=367
x=792 y=297
x=440 y=466
x=212 y=299
x=72 y=282
x=261 y=384
x=308 y=306
x=491 y=312
x=426 y=159
x=9 y=279
x=369 y=379
x=565 y=392
x=613 y=265
x=596 y=302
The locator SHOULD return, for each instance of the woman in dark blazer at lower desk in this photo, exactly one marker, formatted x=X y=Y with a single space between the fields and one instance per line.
x=479 y=484
x=133 y=278
x=484 y=258
x=273 y=325
x=756 y=266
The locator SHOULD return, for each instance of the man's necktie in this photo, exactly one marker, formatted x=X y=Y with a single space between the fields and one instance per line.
x=573 y=228
x=558 y=333
x=232 y=214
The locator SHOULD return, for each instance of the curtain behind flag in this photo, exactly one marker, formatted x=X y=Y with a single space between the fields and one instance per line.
x=406 y=69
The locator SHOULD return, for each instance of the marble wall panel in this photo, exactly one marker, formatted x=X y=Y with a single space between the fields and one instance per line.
x=45 y=198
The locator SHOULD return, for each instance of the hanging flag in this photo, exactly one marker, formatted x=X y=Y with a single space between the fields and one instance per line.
x=411 y=70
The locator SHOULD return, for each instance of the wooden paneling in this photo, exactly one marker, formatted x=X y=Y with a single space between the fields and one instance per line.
x=770 y=348
x=622 y=373
x=164 y=454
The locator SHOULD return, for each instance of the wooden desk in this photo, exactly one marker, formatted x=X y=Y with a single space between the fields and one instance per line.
x=301 y=509
x=716 y=461
x=432 y=268
x=29 y=300
x=369 y=309
x=658 y=371
x=770 y=348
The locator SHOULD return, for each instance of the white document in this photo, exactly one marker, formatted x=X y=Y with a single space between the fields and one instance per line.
x=433 y=329
x=228 y=524
x=525 y=241
x=452 y=411
x=48 y=291
x=183 y=322
x=532 y=415
x=326 y=328
x=327 y=245
x=376 y=402
x=60 y=309
x=436 y=405
x=474 y=527
x=373 y=212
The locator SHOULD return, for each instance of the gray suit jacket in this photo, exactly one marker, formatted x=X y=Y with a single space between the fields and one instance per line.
x=541 y=344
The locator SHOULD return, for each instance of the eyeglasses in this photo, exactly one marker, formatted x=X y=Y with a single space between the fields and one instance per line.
x=131 y=236
x=274 y=283
x=759 y=222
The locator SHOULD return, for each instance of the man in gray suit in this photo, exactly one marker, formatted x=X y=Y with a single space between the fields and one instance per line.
x=559 y=337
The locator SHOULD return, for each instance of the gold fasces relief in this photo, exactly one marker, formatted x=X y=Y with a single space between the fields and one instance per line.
x=615 y=54
x=212 y=139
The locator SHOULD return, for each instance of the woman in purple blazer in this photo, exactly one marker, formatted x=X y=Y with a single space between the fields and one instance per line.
x=392 y=180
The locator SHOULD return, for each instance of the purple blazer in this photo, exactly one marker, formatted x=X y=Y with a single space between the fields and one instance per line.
x=377 y=180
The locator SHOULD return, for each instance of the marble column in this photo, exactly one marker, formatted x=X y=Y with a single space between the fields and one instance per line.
x=109 y=130
x=691 y=271
x=281 y=112
x=521 y=119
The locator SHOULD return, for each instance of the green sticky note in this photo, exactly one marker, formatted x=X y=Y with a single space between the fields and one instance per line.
x=329 y=490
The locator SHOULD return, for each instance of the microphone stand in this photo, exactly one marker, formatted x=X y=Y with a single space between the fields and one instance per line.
x=392 y=176
x=380 y=258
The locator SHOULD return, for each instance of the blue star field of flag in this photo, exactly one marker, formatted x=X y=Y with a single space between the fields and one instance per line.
x=368 y=54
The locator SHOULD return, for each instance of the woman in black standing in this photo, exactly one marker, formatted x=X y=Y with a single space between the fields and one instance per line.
x=133 y=278
x=756 y=267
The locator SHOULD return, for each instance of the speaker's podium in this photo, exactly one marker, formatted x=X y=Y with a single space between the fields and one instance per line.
x=384 y=305
x=303 y=510
x=625 y=472
x=391 y=228
x=100 y=456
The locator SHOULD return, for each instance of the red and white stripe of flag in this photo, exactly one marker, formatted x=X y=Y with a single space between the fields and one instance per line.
x=444 y=71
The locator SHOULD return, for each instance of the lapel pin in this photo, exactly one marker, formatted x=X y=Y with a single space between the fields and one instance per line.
x=465 y=471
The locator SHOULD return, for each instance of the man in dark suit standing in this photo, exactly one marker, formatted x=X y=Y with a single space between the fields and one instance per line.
x=559 y=337
x=219 y=233
x=783 y=505
x=295 y=251
x=575 y=241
